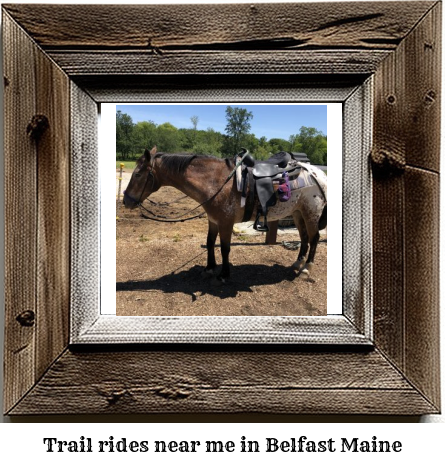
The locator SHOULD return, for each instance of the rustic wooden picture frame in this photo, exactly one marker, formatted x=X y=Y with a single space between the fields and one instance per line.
x=59 y=68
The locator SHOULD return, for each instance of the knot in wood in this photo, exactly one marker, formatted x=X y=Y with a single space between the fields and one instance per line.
x=37 y=126
x=26 y=318
x=173 y=393
x=115 y=396
x=387 y=162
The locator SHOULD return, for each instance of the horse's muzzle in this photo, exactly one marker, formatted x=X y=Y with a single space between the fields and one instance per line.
x=129 y=202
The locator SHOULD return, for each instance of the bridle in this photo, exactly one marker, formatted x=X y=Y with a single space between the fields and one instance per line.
x=150 y=174
x=179 y=218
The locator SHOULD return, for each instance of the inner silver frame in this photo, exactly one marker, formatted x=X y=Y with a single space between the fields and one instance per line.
x=353 y=326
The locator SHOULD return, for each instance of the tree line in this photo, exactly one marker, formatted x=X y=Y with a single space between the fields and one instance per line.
x=133 y=138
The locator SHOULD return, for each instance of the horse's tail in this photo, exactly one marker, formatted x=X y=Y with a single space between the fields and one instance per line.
x=323 y=221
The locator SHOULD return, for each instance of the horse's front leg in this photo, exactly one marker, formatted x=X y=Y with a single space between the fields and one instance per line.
x=211 y=238
x=225 y=235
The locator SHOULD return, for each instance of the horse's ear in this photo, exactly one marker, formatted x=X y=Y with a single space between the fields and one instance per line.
x=153 y=151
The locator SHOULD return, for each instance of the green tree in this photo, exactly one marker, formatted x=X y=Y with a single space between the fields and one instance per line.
x=168 y=138
x=144 y=135
x=237 y=127
x=294 y=144
x=208 y=143
x=124 y=134
x=278 y=145
x=314 y=145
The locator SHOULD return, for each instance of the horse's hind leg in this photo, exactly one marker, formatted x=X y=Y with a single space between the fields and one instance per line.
x=314 y=238
x=211 y=238
x=304 y=238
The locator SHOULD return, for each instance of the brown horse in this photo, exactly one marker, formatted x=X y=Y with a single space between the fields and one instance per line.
x=203 y=178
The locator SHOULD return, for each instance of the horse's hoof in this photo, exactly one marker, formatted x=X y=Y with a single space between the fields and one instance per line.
x=309 y=267
x=207 y=273
x=305 y=273
x=297 y=265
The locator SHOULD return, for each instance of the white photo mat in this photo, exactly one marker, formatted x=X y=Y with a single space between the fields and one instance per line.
x=349 y=144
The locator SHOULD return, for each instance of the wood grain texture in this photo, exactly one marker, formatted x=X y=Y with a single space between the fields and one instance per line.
x=422 y=364
x=274 y=25
x=53 y=226
x=423 y=91
x=223 y=382
x=20 y=212
x=129 y=63
x=357 y=209
x=220 y=39
x=408 y=98
x=406 y=206
x=219 y=88
x=85 y=235
x=388 y=268
x=303 y=45
x=37 y=222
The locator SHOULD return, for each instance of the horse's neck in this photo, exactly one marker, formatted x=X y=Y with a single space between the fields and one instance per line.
x=195 y=180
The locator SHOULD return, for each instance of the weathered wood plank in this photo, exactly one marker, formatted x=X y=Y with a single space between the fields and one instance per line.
x=376 y=25
x=85 y=211
x=423 y=92
x=406 y=132
x=53 y=229
x=128 y=62
x=400 y=377
x=219 y=88
x=388 y=268
x=224 y=382
x=357 y=237
x=422 y=323
x=388 y=201
x=20 y=213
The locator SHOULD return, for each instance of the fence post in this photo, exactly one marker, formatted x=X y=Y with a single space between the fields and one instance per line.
x=119 y=189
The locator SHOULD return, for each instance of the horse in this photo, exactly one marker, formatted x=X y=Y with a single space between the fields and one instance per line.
x=206 y=179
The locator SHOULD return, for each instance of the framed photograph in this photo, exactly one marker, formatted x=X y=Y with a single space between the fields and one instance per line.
x=376 y=352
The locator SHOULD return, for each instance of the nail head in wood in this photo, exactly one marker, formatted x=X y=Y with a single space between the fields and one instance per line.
x=430 y=97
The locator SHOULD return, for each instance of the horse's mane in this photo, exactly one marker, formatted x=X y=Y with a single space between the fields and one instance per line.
x=178 y=162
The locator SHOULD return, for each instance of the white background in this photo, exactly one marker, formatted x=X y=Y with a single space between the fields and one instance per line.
x=107 y=174
x=24 y=442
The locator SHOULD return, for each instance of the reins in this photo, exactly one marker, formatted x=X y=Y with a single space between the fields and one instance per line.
x=179 y=219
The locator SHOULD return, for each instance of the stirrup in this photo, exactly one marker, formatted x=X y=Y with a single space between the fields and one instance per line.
x=262 y=227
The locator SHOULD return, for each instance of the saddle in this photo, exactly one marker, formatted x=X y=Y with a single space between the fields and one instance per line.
x=262 y=178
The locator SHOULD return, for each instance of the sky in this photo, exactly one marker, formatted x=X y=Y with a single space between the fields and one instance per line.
x=271 y=121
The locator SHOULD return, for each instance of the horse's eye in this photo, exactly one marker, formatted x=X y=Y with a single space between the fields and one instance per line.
x=137 y=175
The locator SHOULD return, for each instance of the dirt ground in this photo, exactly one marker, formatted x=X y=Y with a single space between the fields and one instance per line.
x=159 y=265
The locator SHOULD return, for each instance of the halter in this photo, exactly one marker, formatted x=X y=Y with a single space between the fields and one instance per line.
x=179 y=218
x=138 y=202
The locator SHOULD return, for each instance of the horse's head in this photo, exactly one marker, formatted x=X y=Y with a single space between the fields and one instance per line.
x=143 y=181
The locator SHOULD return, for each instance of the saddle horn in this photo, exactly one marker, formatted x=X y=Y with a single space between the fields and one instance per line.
x=248 y=160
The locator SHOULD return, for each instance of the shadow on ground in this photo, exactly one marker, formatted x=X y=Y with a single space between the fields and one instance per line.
x=190 y=282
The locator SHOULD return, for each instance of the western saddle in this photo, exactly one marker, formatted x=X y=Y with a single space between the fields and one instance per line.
x=259 y=179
